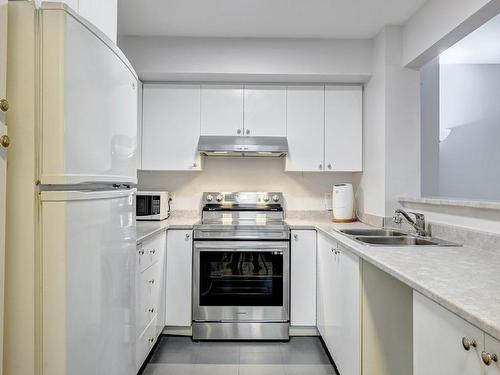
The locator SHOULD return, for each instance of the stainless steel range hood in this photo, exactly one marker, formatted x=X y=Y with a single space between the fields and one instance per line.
x=242 y=146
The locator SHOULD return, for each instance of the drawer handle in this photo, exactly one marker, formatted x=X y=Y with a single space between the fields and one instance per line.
x=151 y=310
x=488 y=358
x=152 y=251
x=152 y=281
x=468 y=343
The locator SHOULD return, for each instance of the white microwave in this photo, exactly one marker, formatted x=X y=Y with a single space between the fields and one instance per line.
x=152 y=205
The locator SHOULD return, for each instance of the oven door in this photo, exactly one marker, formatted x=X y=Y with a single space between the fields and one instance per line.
x=236 y=281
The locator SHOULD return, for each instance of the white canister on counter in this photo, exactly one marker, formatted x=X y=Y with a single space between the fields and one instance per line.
x=343 y=202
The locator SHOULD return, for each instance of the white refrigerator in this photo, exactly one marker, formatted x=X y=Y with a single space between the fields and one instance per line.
x=84 y=143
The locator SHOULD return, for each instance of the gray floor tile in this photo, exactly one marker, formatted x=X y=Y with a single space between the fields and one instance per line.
x=262 y=358
x=309 y=370
x=186 y=357
x=182 y=356
x=262 y=370
x=259 y=347
x=218 y=355
x=190 y=369
x=302 y=357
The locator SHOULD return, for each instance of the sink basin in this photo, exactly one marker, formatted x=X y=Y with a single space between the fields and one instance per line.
x=397 y=241
x=373 y=232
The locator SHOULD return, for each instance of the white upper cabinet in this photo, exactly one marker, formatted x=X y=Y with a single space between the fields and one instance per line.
x=305 y=128
x=222 y=110
x=265 y=111
x=344 y=128
x=171 y=127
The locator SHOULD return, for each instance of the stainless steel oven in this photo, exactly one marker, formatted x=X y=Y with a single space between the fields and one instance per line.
x=241 y=271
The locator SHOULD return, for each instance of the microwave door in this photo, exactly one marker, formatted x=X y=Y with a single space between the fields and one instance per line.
x=144 y=205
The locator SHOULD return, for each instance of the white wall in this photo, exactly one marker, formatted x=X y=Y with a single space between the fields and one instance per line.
x=303 y=191
x=439 y=24
x=402 y=124
x=429 y=99
x=248 y=59
x=469 y=156
x=391 y=129
x=371 y=194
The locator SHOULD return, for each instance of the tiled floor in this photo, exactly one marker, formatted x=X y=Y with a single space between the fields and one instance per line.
x=182 y=356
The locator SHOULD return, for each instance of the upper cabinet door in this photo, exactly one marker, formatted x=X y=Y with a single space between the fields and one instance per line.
x=222 y=110
x=343 y=128
x=265 y=111
x=305 y=128
x=171 y=127
x=89 y=114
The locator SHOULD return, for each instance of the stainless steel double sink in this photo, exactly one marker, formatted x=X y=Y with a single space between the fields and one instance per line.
x=392 y=237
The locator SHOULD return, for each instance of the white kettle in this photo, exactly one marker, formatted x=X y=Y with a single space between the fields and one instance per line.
x=343 y=203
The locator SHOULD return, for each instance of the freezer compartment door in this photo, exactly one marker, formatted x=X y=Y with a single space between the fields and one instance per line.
x=88 y=105
x=88 y=282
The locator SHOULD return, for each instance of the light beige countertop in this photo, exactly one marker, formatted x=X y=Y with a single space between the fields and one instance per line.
x=146 y=229
x=464 y=280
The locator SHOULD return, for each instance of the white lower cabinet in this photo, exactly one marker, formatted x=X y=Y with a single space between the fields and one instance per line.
x=338 y=304
x=438 y=341
x=492 y=348
x=179 y=278
x=303 y=278
x=150 y=292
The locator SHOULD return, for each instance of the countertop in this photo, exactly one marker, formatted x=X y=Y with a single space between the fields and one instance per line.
x=464 y=280
x=146 y=229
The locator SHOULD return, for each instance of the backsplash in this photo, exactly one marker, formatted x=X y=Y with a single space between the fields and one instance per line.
x=302 y=191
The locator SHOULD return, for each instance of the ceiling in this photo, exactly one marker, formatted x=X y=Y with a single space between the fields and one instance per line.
x=262 y=18
x=482 y=46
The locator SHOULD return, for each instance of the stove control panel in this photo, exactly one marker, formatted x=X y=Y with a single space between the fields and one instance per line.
x=248 y=198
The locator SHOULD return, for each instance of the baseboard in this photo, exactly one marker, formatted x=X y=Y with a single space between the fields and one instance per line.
x=303 y=331
x=178 y=331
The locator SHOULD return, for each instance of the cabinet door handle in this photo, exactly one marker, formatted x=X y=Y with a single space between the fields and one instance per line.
x=247 y=131
x=152 y=251
x=141 y=252
x=151 y=310
x=468 y=343
x=329 y=166
x=194 y=165
x=238 y=131
x=188 y=236
x=151 y=340
x=488 y=358
x=152 y=281
x=320 y=166
x=296 y=237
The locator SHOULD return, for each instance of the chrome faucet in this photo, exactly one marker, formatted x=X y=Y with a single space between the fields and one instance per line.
x=418 y=224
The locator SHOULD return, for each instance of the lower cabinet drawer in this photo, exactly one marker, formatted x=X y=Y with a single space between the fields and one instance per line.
x=145 y=342
x=147 y=296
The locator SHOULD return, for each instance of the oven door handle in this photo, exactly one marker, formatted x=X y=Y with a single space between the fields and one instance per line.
x=241 y=246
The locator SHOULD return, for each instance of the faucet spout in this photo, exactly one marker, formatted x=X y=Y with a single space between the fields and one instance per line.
x=418 y=224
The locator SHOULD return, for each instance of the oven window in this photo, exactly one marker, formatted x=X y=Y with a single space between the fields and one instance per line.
x=241 y=278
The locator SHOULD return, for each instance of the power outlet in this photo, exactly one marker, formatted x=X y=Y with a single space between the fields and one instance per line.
x=327 y=200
